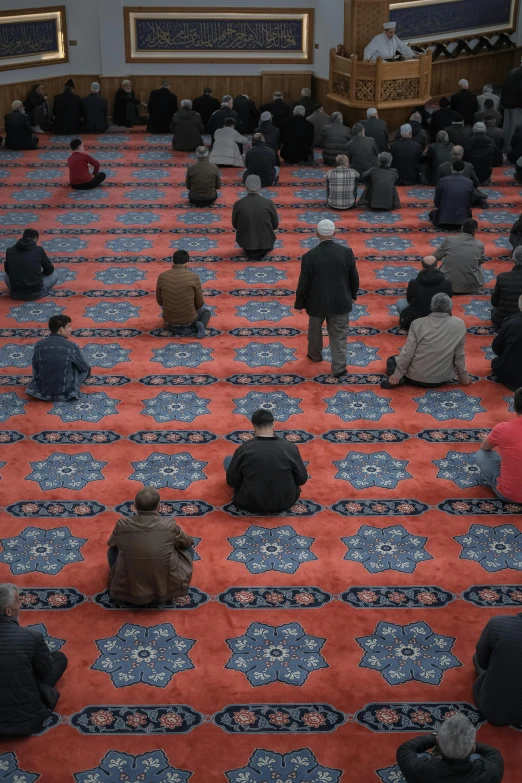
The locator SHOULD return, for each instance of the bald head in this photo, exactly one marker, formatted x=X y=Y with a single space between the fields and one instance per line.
x=429 y=262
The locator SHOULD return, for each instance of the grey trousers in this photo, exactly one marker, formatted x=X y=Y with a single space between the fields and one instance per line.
x=337 y=326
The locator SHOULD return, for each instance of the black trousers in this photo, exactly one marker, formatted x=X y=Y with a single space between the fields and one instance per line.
x=257 y=255
x=195 y=203
x=95 y=181
x=59 y=665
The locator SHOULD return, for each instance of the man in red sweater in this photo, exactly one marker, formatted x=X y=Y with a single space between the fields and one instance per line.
x=503 y=470
x=80 y=176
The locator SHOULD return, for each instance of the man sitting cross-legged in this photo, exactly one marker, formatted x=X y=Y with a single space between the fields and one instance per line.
x=28 y=272
x=267 y=471
x=149 y=554
x=29 y=672
x=433 y=352
x=503 y=470
x=80 y=176
x=255 y=219
x=59 y=368
x=202 y=180
x=178 y=291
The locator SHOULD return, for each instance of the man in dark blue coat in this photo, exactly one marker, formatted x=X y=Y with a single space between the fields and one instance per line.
x=59 y=368
x=28 y=671
x=498 y=689
x=28 y=273
x=453 y=199
x=507 y=347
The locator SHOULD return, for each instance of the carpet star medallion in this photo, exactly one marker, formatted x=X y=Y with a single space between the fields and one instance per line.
x=91 y=407
x=118 y=312
x=278 y=403
x=168 y=406
x=277 y=549
x=187 y=355
x=177 y=471
x=402 y=653
x=46 y=551
x=354 y=406
x=152 y=655
x=116 y=767
x=10 y=772
x=282 y=653
x=106 y=355
x=298 y=766
x=386 y=549
x=72 y=471
x=493 y=548
x=364 y=470
x=265 y=355
x=446 y=405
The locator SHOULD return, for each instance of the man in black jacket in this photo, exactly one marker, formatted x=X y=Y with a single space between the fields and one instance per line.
x=271 y=133
x=279 y=110
x=406 y=157
x=511 y=101
x=126 y=112
x=247 y=112
x=453 y=198
x=162 y=106
x=498 y=689
x=507 y=291
x=67 y=110
x=441 y=118
x=217 y=120
x=261 y=159
x=306 y=100
x=297 y=135
x=28 y=273
x=28 y=671
x=265 y=472
x=376 y=129
x=458 y=133
x=328 y=284
x=362 y=152
x=507 y=345
x=445 y=169
x=455 y=756
x=18 y=131
x=95 y=111
x=480 y=151
x=465 y=102
x=420 y=292
x=205 y=105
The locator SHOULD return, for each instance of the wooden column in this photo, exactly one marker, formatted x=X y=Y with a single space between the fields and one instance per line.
x=363 y=19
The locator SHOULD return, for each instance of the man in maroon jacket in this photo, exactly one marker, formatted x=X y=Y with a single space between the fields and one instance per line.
x=80 y=176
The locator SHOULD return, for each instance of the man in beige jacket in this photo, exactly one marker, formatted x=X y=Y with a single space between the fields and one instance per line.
x=434 y=351
x=178 y=291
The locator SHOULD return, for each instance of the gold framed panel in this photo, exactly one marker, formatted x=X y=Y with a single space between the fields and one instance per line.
x=510 y=25
x=254 y=25
x=33 y=37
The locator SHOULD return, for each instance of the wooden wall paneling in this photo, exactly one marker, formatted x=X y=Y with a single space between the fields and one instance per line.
x=18 y=90
x=320 y=89
x=479 y=69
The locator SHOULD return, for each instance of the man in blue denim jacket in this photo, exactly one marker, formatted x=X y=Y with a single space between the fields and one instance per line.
x=59 y=368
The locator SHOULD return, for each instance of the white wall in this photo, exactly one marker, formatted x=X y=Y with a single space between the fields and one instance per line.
x=97 y=26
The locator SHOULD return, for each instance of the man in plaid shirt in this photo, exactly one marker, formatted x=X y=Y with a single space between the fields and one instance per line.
x=341 y=185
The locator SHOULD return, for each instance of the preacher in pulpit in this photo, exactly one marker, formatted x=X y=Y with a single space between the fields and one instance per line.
x=387 y=45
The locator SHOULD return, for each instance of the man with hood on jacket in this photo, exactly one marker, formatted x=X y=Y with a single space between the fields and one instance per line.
x=29 y=672
x=28 y=273
x=420 y=292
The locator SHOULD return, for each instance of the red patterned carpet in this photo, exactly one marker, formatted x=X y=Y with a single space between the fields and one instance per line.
x=311 y=644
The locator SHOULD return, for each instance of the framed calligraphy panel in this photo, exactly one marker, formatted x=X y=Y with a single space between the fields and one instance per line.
x=264 y=35
x=434 y=20
x=35 y=36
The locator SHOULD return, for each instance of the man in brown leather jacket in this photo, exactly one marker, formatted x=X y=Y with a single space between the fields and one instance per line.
x=150 y=555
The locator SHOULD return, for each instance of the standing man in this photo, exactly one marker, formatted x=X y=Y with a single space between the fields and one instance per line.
x=67 y=110
x=95 y=111
x=162 y=106
x=362 y=152
x=80 y=176
x=511 y=101
x=217 y=120
x=306 y=100
x=376 y=129
x=18 y=131
x=255 y=220
x=29 y=672
x=465 y=102
x=205 y=105
x=327 y=286
x=388 y=46
x=279 y=110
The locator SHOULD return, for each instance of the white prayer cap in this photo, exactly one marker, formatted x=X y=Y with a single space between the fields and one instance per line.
x=464 y=84
x=326 y=228
x=266 y=116
x=390 y=25
x=371 y=112
x=253 y=183
x=479 y=127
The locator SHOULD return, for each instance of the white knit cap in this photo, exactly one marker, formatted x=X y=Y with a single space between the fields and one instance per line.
x=371 y=112
x=390 y=25
x=326 y=228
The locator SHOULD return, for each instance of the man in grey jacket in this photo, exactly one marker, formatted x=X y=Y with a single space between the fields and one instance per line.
x=463 y=256
x=59 y=368
x=255 y=220
x=433 y=352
